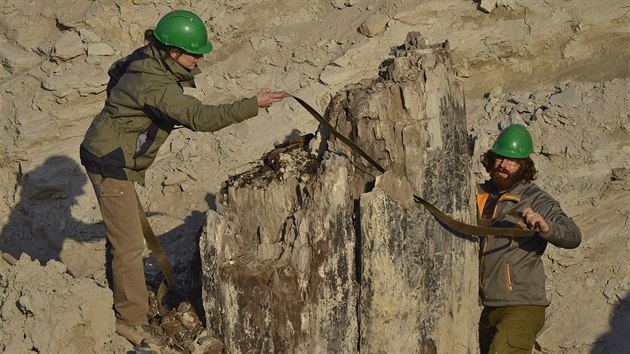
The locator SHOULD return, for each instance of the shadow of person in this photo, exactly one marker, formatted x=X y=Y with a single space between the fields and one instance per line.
x=617 y=339
x=42 y=225
x=181 y=246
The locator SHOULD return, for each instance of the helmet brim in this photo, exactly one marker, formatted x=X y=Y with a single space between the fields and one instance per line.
x=203 y=50
x=511 y=154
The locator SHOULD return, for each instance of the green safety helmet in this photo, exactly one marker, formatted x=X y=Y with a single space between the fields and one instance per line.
x=184 y=30
x=514 y=142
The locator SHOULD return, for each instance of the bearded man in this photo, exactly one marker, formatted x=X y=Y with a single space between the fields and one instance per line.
x=512 y=278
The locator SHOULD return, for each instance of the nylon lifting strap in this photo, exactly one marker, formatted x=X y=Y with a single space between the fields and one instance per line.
x=437 y=213
x=160 y=256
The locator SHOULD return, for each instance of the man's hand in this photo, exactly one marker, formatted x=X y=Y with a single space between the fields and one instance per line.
x=266 y=98
x=535 y=220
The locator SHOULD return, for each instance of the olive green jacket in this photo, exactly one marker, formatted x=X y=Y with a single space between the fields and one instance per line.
x=511 y=269
x=145 y=102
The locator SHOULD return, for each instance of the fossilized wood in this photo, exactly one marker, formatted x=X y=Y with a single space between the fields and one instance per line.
x=417 y=279
x=318 y=256
x=279 y=264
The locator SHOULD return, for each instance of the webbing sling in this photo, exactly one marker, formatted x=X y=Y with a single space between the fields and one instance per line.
x=160 y=256
x=437 y=213
x=165 y=266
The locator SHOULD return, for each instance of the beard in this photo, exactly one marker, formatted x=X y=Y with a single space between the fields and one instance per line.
x=503 y=183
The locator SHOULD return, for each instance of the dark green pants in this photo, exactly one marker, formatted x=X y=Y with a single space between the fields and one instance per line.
x=510 y=329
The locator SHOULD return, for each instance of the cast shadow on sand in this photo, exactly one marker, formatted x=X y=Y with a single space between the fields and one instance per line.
x=181 y=246
x=41 y=224
x=617 y=339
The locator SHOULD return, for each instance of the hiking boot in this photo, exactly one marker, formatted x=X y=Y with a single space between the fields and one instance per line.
x=138 y=335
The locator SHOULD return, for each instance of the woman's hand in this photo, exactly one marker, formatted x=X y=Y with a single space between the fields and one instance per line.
x=266 y=98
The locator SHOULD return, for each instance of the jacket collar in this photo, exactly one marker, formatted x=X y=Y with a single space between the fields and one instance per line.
x=159 y=63
x=515 y=192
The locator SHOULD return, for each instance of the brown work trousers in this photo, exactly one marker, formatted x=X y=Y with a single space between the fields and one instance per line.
x=121 y=216
x=510 y=329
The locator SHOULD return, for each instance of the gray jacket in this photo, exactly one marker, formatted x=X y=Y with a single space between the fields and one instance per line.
x=511 y=268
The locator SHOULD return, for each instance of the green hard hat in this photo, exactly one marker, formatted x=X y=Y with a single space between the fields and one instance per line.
x=185 y=30
x=514 y=142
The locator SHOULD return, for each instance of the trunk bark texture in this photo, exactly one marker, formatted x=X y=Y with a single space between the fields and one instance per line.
x=316 y=251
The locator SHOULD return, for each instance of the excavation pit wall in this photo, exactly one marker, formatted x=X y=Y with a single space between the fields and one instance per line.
x=320 y=252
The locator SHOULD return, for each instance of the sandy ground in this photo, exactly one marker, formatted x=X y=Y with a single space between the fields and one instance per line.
x=558 y=66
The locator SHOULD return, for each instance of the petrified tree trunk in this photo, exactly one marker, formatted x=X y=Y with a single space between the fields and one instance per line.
x=278 y=263
x=311 y=254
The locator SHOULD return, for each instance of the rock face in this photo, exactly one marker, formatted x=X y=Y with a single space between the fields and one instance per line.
x=45 y=310
x=307 y=253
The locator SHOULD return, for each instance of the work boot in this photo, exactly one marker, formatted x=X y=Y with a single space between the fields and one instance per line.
x=138 y=335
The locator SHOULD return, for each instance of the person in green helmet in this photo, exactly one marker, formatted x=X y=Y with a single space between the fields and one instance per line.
x=512 y=279
x=145 y=102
